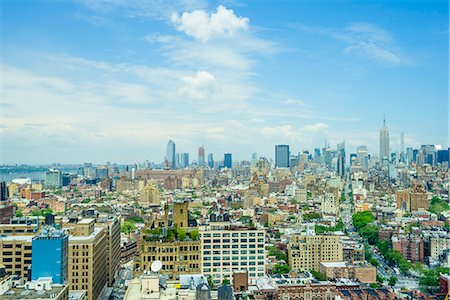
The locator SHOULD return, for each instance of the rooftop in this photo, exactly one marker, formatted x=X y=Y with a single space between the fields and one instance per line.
x=26 y=238
x=23 y=293
x=338 y=264
x=94 y=233
x=85 y=221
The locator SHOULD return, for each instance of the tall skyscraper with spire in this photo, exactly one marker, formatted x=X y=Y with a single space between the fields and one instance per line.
x=201 y=156
x=169 y=160
x=384 y=141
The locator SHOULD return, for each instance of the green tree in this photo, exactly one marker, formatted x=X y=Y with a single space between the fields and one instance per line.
x=281 y=269
x=279 y=255
x=211 y=281
x=319 y=276
x=135 y=219
x=431 y=277
x=194 y=235
x=380 y=278
x=367 y=252
x=374 y=285
x=362 y=218
x=41 y=212
x=127 y=227
x=374 y=262
x=437 y=205
x=369 y=232
x=181 y=233
x=311 y=216
x=19 y=213
x=392 y=280
x=226 y=282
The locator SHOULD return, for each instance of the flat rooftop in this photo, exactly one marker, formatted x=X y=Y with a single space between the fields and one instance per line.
x=22 y=293
x=85 y=221
x=26 y=238
x=337 y=264
x=94 y=233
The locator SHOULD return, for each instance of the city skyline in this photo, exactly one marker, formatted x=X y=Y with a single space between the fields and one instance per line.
x=90 y=81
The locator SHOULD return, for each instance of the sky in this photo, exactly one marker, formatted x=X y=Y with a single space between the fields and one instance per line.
x=114 y=80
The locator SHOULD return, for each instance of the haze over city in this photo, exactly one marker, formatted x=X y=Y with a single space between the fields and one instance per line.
x=97 y=81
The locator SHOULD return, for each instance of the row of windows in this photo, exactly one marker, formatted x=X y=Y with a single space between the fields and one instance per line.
x=172 y=250
x=172 y=258
x=234 y=246
x=226 y=252
x=234 y=234
x=80 y=247
x=225 y=241
x=233 y=257
x=234 y=263
x=219 y=270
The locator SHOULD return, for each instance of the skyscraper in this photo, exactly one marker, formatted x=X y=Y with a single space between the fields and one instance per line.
x=362 y=156
x=384 y=141
x=184 y=160
x=201 y=156
x=169 y=161
x=254 y=156
x=282 y=155
x=210 y=160
x=50 y=255
x=317 y=155
x=227 y=161
x=53 y=179
x=3 y=191
x=177 y=160
x=341 y=159
x=409 y=155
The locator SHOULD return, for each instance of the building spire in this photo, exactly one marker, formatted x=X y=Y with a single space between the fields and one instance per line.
x=384 y=120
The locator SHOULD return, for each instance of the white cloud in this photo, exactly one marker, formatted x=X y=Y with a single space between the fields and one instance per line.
x=204 y=26
x=295 y=102
x=364 y=39
x=315 y=127
x=154 y=9
x=200 y=87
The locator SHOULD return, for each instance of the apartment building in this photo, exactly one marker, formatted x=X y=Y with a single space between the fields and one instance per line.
x=94 y=251
x=112 y=226
x=305 y=252
x=88 y=258
x=412 y=248
x=227 y=248
x=15 y=254
x=362 y=271
x=412 y=200
x=177 y=257
x=438 y=245
x=323 y=290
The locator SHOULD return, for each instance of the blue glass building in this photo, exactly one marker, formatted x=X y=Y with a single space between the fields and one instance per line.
x=282 y=155
x=227 y=161
x=50 y=255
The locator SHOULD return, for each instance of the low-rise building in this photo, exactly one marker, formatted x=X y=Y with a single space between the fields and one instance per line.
x=362 y=271
x=177 y=257
x=40 y=289
x=307 y=251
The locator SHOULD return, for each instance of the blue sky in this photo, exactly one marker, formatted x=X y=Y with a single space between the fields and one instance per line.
x=114 y=80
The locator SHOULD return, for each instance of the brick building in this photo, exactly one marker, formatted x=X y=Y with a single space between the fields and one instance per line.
x=412 y=248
